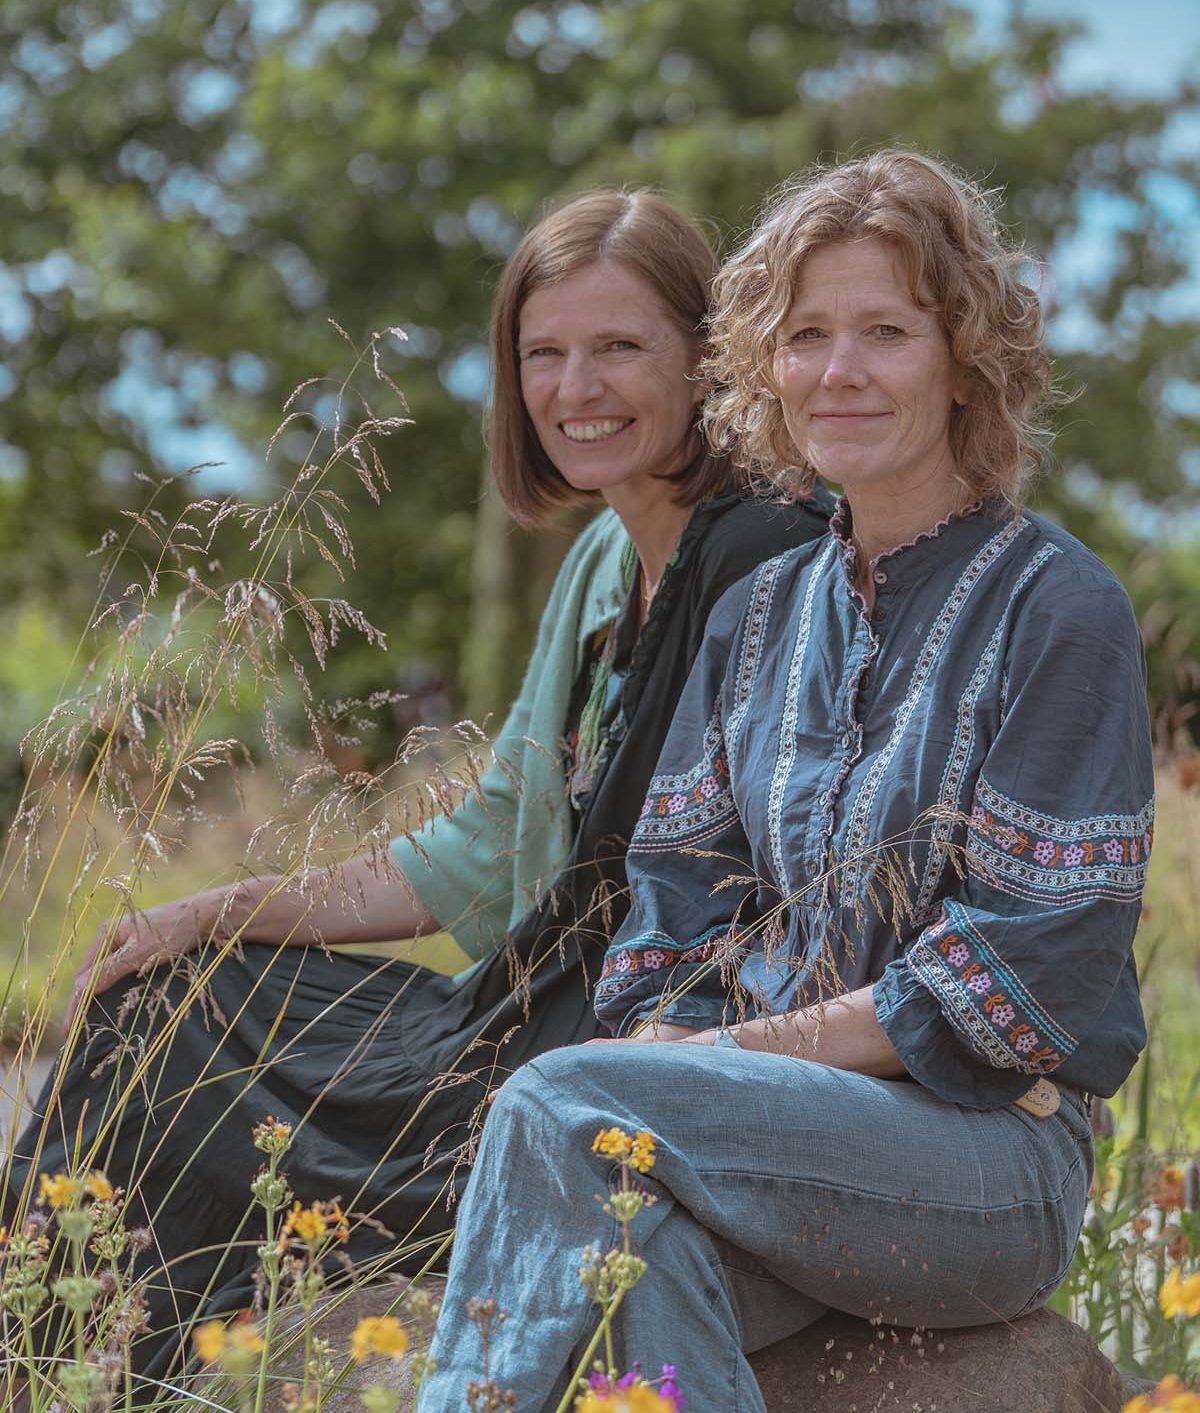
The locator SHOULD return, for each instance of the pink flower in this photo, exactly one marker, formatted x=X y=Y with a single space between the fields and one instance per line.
x=653 y=959
x=1114 y=851
x=677 y=803
x=959 y=954
x=1045 y=852
x=1006 y=837
x=980 y=982
x=1026 y=1042
x=1003 y=1015
x=1072 y=856
x=978 y=814
x=1147 y=840
x=709 y=786
x=1135 y=851
x=623 y=963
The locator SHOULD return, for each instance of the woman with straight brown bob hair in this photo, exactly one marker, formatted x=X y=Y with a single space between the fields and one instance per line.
x=381 y=1067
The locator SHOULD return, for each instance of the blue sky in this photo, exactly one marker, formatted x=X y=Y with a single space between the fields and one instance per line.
x=1136 y=45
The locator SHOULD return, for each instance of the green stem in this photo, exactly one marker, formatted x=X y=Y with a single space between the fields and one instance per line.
x=605 y=1319
x=35 y=1380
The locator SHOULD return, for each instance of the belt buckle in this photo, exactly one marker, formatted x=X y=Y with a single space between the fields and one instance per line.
x=1041 y=1099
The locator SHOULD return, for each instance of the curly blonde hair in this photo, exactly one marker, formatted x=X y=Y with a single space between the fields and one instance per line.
x=959 y=265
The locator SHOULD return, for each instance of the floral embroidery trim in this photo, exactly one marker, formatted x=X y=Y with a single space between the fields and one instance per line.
x=1038 y=856
x=963 y=746
x=786 y=756
x=691 y=806
x=652 y=952
x=984 y=998
x=858 y=831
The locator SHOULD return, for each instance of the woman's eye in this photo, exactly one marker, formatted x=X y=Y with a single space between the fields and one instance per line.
x=805 y=336
x=622 y=345
x=889 y=331
x=544 y=352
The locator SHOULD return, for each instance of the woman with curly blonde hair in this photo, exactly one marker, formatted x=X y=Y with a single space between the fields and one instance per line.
x=886 y=879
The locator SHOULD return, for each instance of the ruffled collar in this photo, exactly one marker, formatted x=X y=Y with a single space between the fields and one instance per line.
x=903 y=562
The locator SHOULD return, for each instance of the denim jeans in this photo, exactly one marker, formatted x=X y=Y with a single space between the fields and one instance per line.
x=784 y=1188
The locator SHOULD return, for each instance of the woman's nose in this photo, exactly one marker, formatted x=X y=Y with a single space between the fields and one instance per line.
x=844 y=368
x=581 y=382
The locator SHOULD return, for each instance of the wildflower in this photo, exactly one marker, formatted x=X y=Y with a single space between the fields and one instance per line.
x=310 y=1224
x=1141 y=1224
x=272 y=1135
x=1179 y=1246
x=1166 y=1189
x=613 y=1143
x=1170 y=1396
x=642 y=1157
x=99 y=1187
x=378 y=1334
x=59 y=1191
x=209 y=1341
x=1180 y=1295
x=637 y=1398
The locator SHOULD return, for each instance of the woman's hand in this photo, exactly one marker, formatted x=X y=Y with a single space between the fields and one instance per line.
x=140 y=939
x=650 y=1035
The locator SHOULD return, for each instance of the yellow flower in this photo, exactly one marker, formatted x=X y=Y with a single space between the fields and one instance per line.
x=378 y=1334
x=1169 y=1397
x=642 y=1157
x=1180 y=1295
x=209 y=1341
x=60 y=1190
x=99 y=1187
x=613 y=1143
x=640 y=1398
x=243 y=1337
x=308 y=1223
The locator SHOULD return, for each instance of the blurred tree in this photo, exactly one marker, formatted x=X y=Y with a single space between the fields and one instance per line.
x=192 y=188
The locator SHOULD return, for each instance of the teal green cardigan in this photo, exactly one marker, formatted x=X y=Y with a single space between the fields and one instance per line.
x=480 y=869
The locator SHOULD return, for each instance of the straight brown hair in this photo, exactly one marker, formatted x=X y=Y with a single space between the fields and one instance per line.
x=642 y=231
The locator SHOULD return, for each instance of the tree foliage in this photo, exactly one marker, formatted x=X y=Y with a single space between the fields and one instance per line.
x=194 y=188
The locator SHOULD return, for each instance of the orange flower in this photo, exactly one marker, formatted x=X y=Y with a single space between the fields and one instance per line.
x=1166 y=1189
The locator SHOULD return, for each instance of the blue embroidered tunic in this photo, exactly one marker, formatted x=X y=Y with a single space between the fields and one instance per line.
x=949 y=796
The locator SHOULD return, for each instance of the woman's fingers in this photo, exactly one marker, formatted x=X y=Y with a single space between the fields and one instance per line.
x=117 y=951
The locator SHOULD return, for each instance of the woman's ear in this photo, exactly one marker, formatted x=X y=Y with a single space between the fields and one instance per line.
x=960 y=392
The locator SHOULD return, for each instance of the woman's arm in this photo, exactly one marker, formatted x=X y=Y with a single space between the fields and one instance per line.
x=363 y=900
x=843 y=1033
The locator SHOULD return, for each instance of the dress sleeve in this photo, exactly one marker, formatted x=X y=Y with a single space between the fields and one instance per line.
x=479 y=867
x=692 y=891
x=1021 y=964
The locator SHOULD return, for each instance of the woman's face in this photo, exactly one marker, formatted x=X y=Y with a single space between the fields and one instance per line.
x=864 y=374
x=606 y=378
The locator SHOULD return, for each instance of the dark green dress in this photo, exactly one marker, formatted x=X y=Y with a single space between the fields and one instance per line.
x=381 y=1066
